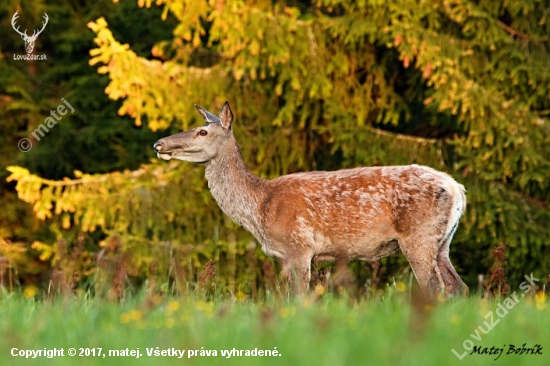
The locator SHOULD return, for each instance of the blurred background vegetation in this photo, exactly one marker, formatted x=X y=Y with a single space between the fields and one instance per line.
x=462 y=86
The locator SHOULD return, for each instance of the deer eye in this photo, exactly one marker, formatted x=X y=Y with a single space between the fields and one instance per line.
x=203 y=132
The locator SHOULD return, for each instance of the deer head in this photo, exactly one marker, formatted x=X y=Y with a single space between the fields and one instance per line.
x=29 y=41
x=201 y=144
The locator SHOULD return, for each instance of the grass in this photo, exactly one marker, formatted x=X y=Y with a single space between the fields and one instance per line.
x=320 y=329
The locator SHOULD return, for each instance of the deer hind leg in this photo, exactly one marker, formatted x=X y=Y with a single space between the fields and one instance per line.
x=426 y=246
x=452 y=281
x=422 y=253
x=428 y=255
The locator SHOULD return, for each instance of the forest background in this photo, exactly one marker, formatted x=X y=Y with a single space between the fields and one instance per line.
x=459 y=85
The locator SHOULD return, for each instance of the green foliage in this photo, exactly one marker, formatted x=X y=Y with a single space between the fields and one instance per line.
x=93 y=139
x=462 y=86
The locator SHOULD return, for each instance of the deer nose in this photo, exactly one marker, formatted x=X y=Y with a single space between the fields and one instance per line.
x=158 y=146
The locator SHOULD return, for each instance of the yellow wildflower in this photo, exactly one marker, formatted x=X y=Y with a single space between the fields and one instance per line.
x=319 y=290
x=30 y=291
x=400 y=286
x=173 y=306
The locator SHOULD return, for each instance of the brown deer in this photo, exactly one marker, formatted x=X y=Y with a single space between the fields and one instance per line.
x=362 y=213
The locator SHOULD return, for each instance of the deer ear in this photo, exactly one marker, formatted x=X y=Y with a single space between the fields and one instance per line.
x=203 y=113
x=208 y=117
x=226 y=116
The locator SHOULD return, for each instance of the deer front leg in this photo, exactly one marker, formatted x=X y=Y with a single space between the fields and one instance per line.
x=297 y=271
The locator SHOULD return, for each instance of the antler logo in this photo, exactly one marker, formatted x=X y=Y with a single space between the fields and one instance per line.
x=29 y=41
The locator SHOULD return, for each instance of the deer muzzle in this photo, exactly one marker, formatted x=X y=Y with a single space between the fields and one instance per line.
x=162 y=150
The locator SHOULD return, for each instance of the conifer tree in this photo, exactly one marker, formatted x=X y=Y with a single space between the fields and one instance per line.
x=462 y=86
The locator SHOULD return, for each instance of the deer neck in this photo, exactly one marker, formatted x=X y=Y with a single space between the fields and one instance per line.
x=237 y=191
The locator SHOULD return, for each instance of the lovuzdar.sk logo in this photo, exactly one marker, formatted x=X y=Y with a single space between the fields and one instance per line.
x=29 y=40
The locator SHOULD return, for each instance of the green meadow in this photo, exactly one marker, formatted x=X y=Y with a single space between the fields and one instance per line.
x=318 y=329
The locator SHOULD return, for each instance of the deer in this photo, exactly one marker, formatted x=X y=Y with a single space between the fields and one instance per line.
x=364 y=213
x=29 y=41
